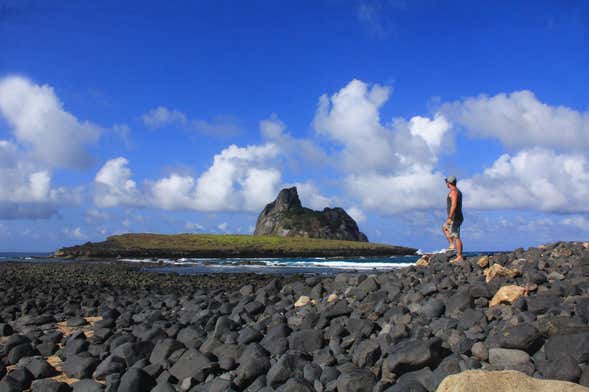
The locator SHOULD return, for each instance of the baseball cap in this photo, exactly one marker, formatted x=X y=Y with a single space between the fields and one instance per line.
x=451 y=180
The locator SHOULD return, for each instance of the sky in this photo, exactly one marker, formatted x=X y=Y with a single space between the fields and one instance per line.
x=180 y=116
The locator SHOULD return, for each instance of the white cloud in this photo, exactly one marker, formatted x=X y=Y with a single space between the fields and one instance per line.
x=74 y=233
x=240 y=179
x=38 y=121
x=311 y=196
x=246 y=167
x=45 y=137
x=162 y=116
x=299 y=154
x=388 y=168
x=25 y=188
x=520 y=120
x=398 y=193
x=259 y=186
x=192 y=226
x=357 y=214
x=537 y=179
x=94 y=215
x=114 y=185
x=578 y=221
x=173 y=192
x=351 y=118
x=223 y=227
x=431 y=131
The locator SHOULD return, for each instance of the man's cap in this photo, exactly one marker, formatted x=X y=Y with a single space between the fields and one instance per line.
x=451 y=180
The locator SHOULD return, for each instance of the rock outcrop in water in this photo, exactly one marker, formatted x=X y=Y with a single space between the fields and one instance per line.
x=286 y=217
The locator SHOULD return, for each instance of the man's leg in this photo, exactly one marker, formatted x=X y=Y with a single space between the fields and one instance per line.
x=459 y=249
x=456 y=235
x=448 y=237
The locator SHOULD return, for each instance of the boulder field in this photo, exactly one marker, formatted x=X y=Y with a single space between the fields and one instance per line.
x=507 y=320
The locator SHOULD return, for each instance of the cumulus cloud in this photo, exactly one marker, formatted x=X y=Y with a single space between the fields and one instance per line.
x=173 y=192
x=239 y=176
x=351 y=117
x=240 y=179
x=44 y=137
x=389 y=168
x=38 y=121
x=420 y=189
x=114 y=185
x=25 y=188
x=520 y=120
x=538 y=179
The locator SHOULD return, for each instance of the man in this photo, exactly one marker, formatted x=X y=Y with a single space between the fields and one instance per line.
x=452 y=226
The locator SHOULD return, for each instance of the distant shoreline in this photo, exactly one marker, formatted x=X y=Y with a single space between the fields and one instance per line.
x=178 y=246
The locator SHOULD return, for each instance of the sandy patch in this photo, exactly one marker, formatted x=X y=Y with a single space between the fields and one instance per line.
x=54 y=360
x=87 y=329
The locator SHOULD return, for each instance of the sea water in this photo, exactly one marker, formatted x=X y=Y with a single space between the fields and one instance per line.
x=263 y=265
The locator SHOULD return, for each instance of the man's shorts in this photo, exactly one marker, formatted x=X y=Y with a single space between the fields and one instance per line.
x=453 y=228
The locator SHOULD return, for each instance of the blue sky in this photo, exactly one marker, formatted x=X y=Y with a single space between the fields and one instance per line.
x=190 y=116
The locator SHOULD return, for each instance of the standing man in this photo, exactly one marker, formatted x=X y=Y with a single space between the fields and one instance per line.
x=452 y=226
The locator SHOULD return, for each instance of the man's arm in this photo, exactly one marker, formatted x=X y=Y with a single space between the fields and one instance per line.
x=454 y=199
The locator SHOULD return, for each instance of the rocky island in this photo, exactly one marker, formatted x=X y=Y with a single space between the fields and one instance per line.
x=284 y=229
x=510 y=322
x=286 y=217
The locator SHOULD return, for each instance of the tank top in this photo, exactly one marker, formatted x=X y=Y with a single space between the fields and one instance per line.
x=458 y=212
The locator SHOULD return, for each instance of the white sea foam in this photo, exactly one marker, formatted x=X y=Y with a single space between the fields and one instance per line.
x=316 y=262
x=349 y=265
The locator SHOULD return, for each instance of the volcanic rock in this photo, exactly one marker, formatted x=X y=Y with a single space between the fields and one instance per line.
x=286 y=217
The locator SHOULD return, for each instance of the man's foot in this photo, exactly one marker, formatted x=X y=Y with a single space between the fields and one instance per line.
x=457 y=260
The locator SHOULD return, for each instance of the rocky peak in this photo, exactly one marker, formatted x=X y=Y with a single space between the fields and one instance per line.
x=288 y=199
x=286 y=217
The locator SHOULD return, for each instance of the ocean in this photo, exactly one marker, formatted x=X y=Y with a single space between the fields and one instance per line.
x=313 y=265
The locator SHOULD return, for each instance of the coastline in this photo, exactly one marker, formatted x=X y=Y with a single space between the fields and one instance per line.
x=378 y=331
x=179 y=246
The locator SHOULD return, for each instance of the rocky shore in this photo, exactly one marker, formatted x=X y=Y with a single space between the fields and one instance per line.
x=506 y=322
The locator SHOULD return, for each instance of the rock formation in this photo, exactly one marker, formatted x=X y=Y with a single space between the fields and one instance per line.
x=286 y=217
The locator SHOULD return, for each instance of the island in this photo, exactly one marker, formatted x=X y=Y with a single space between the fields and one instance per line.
x=284 y=228
x=175 y=246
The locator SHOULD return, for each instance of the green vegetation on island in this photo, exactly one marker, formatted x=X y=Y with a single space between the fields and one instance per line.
x=216 y=245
